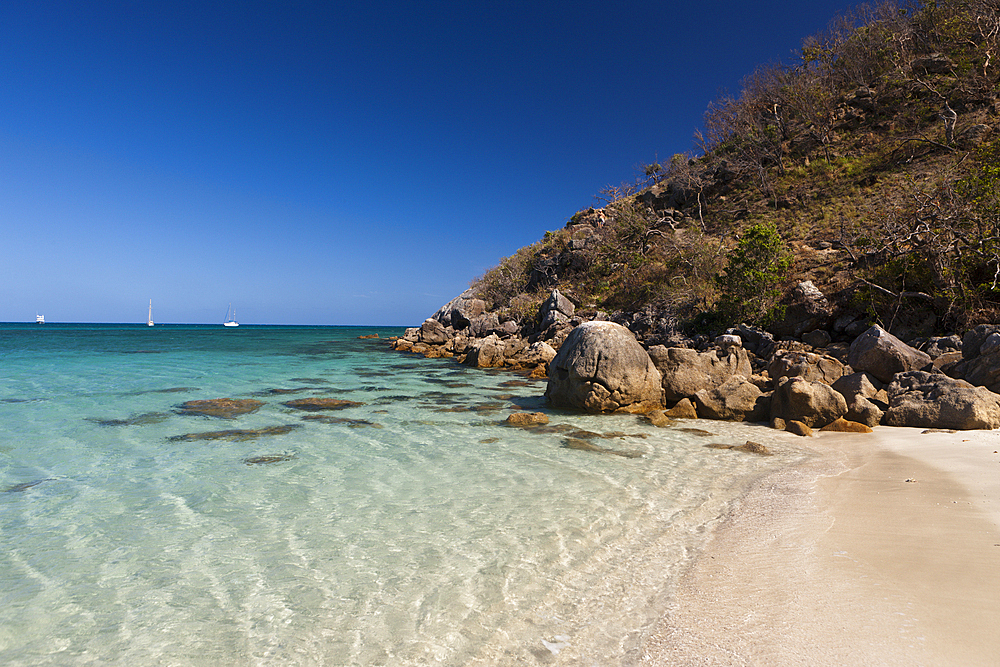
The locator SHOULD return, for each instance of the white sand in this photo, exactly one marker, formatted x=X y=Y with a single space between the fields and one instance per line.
x=843 y=561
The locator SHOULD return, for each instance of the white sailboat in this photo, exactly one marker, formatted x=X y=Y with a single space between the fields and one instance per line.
x=230 y=318
x=149 y=320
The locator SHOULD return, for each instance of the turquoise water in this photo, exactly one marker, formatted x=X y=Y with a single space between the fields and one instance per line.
x=411 y=529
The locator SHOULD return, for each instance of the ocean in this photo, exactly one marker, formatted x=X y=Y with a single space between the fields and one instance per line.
x=411 y=527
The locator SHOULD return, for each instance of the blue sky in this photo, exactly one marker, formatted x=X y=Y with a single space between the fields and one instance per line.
x=317 y=163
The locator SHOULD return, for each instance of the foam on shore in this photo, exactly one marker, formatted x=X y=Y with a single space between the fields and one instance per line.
x=882 y=551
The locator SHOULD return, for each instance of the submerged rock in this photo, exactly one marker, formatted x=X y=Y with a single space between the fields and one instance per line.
x=266 y=459
x=144 y=419
x=236 y=434
x=526 y=419
x=317 y=404
x=223 y=408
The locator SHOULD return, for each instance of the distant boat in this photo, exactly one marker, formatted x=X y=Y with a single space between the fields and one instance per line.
x=149 y=321
x=231 y=318
x=39 y=319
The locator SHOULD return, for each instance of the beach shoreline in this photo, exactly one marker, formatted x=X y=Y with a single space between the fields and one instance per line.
x=880 y=550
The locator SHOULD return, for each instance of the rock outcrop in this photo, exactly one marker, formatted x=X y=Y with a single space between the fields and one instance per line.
x=736 y=399
x=932 y=400
x=980 y=363
x=812 y=403
x=602 y=368
x=878 y=352
x=685 y=372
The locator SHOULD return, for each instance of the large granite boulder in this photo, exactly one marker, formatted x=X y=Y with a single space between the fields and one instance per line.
x=460 y=311
x=806 y=365
x=864 y=411
x=806 y=309
x=685 y=372
x=485 y=352
x=601 y=368
x=932 y=400
x=857 y=384
x=736 y=399
x=538 y=352
x=433 y=332
x=813 y=403
x=556 y=309
x=878 y=352
x=980 y=363
x=483 y=325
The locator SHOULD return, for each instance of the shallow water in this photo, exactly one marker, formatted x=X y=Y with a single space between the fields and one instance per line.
x=414 y=528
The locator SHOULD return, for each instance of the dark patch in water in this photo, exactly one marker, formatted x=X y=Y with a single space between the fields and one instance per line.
x=144 y=419
x=554 y=428
x=142 y=352
x=351 y=423
x=489 y=441
x=170 y=390
x=267 y=459
x=317 y=404
x=236 y=434
x=24 y=486
x=750 y=447
x=310 y=380
x=282 y=392
x=696 y=431
x=516 y=383
x=584 y=445
x=21 y=400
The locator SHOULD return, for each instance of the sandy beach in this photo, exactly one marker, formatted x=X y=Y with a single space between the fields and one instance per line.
x=883 y=549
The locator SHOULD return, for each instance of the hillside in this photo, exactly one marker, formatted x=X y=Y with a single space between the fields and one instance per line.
x=870 y=167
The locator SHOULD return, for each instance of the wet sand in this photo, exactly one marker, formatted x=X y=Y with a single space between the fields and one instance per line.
x=883 y=549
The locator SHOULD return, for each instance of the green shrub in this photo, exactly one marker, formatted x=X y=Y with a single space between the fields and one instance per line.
x=751 y=284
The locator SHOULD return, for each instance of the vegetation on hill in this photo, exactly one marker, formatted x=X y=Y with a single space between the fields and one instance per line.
x=871 y=166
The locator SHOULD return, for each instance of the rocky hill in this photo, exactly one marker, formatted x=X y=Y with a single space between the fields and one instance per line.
x=832 y=254
x=870 y=168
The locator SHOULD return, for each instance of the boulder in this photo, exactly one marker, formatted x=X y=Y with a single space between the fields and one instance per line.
x=857 y=384
x=555 y=309
x=817 y=338
x=538 y=352
x=807 y=308
x=685 y=372
x=601 y=368
x=485 y=352
x=736 y=399
x=798 y=428
x=460 y=311
x=659 y=418
x=813 y=403
x=483 y=325
x=806 y=365
x=526 y=419
x=883 y=355
x=684 y=409
x=433 y=332
x=932 y=400
x=863 y=411
x=980 y=363
x=841 y=425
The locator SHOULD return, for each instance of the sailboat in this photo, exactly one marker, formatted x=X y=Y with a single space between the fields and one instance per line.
x=39 y=319
x=230 y=318
x=149 y=321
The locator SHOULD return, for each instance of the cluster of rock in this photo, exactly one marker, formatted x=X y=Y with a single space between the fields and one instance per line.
x=744 y=375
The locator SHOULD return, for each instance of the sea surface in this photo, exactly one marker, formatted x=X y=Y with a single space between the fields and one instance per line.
x=412 y=528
